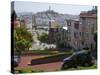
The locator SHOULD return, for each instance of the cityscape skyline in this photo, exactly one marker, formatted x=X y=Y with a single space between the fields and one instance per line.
x=35 y=7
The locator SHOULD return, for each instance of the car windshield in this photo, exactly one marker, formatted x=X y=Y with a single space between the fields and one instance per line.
x=71 y=56
x=81 y=52
x=75 y=54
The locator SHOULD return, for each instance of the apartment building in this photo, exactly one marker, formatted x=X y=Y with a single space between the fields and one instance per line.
x=88 y=27
x=75 y=33
x=73 y=38
x=65 y=36
x=80 y=33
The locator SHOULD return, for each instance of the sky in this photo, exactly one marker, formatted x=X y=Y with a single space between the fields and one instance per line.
x=23 y=6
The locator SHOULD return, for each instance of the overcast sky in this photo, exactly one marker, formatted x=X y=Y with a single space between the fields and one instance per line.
x=22 y=6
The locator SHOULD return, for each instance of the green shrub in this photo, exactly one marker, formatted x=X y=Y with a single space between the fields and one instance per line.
x=26 y=70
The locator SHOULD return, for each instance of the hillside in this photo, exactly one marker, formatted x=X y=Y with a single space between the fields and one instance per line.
x=43 y=18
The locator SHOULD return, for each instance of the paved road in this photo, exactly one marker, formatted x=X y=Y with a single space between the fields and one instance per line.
x=48 y=66
x=37 y=45
x=52 y=66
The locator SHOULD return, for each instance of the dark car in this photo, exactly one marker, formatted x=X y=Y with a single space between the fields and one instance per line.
x=80 y=58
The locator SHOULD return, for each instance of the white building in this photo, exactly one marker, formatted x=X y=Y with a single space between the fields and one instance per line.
x=73 y=38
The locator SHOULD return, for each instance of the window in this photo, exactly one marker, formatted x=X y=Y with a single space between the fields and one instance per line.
x=55 y=30
x=69 y=31
x=68 y=23
x=82 y=42
x=87 y=34
x=75 y=35
x=83 y=18
x=80 y=33
x=76 y=25
x=80 y=23
x=68 y=38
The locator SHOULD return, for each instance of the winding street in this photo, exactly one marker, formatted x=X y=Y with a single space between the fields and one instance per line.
x=37 y=45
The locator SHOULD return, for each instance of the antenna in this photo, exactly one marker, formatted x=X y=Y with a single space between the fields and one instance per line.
x=49 y=8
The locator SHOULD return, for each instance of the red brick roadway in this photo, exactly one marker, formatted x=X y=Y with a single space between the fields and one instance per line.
x=49 y=66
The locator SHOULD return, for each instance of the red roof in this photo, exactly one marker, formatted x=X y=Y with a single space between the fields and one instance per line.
x=88 y=15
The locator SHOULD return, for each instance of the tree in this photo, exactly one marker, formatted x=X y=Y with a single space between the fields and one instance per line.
x=22 y=39
x=95 y=50
x=95 y=38
x=43 y=38
x=13 y=16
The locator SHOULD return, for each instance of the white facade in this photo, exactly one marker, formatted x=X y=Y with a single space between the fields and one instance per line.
x=73 y=33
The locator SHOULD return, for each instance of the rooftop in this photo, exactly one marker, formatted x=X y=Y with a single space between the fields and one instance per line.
x=88 y=15
x=54 y=24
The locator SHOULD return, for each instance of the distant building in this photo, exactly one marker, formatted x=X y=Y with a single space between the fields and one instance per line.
x=17 y=23
x=33 y=22
x=22 y=23
x=29 y=20
x=53 y=30
x=61 y=38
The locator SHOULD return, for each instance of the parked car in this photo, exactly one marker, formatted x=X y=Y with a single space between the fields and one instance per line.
x=80 y=58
